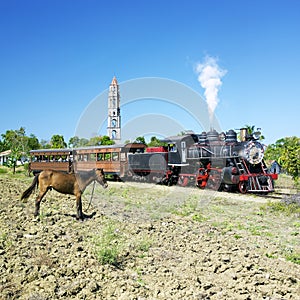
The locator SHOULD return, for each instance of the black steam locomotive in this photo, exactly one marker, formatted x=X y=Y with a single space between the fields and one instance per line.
x=213 y=160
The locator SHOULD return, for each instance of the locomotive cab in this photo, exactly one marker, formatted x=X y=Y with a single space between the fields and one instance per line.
x=178 y=148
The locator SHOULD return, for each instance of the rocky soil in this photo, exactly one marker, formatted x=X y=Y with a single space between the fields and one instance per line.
x=143 y=241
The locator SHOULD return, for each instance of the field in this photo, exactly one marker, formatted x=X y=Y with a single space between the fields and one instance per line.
x=142 y=241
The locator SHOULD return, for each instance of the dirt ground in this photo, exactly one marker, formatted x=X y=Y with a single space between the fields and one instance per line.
x=143 y=241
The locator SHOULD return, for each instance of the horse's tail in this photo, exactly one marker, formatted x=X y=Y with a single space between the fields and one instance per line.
x=28 y=192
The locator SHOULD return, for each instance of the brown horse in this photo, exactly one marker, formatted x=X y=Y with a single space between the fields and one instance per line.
x=72 y=183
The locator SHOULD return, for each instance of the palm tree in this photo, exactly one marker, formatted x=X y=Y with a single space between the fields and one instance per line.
x=251 y=131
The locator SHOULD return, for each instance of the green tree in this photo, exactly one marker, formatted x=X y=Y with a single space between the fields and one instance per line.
x=251 y=130
x=287 y=152
x=155 y=142
x=75 y=142
x=17 y=142
x=83 y=142
x=290 y=156
x=45 y=144
x=105 y=140
x=273 y=151
x=95 y=141
x=140 y=139
x=2 y=146
x=33 y=142
x=57 y=142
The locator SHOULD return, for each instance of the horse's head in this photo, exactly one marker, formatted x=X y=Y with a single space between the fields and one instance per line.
x=100 y=177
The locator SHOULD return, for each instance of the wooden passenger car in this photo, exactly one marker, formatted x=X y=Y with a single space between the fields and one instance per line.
x=113 y=159
x=55 y=159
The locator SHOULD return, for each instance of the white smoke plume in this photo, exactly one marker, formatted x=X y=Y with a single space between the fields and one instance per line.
x=209 y=77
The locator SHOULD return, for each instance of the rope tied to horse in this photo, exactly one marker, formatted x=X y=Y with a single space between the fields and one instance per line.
x=92 y=194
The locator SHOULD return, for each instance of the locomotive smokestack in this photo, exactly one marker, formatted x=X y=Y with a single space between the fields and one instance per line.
x=209 y=77
x=243 y=134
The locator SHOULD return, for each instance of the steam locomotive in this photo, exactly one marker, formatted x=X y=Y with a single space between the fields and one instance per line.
x=214 y=160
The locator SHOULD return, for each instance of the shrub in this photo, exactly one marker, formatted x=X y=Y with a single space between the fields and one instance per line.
x=108 y=245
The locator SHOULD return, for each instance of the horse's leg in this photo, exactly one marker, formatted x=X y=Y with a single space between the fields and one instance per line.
x=79 y=207
x=38 y=200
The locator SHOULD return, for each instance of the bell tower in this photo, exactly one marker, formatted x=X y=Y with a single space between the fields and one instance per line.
x=114 y=117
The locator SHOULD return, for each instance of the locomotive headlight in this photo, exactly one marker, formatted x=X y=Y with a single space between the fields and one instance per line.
x=254 y=152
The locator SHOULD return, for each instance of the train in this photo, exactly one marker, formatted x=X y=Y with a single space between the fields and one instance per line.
x=218 y=161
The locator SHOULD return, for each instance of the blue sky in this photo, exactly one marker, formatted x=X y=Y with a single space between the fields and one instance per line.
x=57 y=56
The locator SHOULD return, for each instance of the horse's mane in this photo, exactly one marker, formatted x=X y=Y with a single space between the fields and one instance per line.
x=85 y=174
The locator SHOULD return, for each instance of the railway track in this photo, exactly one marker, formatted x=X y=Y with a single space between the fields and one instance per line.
x=281 y=193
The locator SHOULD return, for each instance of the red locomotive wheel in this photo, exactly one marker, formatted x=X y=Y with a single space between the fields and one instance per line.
x=183 y=181
x=201 y=184
x=243 y=187
x=213 y=183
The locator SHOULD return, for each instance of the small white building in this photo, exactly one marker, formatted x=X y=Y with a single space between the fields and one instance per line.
x=4 y=157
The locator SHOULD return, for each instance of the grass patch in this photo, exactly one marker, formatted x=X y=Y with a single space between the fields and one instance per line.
x=293 y=257
x=225 y=226
x=188 y=207
x=256 y=230
x=296 y=224
x=237 y=236
x=109 y=245
x=286 y=206
x=20 y=171
x=5 y=242
x=199 y=218
x=3 y=170
x=143 y=245
x=217 y=209
x=271 y=255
